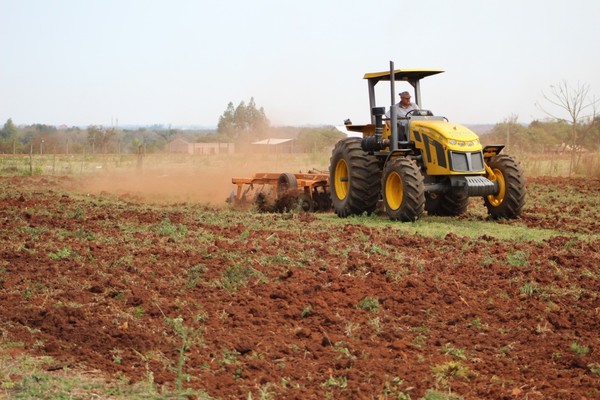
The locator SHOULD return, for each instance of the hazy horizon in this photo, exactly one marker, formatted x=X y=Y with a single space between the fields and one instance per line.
x=180 y=63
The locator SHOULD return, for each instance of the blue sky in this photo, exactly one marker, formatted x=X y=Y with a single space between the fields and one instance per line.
x=82 y=62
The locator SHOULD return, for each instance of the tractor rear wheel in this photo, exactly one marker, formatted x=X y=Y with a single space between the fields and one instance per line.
x=403 y=190
x=354 y=179
x=509 y=200
x=446 y=204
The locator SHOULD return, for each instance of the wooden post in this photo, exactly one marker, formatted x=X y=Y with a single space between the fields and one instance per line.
x=140 y=157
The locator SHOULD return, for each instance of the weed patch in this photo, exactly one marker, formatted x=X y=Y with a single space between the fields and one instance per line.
x=370 y=304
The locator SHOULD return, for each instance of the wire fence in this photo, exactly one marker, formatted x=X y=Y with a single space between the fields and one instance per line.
x=93 y=164
x=587 y=164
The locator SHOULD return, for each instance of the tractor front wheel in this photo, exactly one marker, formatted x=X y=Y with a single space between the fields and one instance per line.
x=354 y=179
x=403 y=190
x=510 y=199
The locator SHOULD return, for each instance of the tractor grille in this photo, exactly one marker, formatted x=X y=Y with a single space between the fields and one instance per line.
x=466 y=162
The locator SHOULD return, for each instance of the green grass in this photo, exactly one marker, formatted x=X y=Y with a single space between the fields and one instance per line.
x=166 y=228
x=61 y=254
x=517 y=259
x=370 y=304
x=451 y=370
x=529 y=288
x=26 y=377
x=439 y=227
x=453 y=352
x=437 y=395
x=579 y=349
x=237 y=276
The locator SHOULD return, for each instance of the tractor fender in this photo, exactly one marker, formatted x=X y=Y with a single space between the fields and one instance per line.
x=492 y=150
x=397 y=153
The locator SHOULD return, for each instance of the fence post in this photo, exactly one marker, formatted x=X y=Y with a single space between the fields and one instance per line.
x=140 y=158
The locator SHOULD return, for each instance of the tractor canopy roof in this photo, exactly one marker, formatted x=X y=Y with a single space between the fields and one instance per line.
x=410 y=75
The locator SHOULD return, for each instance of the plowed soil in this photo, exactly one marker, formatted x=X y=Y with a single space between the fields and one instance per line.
x=302 y=306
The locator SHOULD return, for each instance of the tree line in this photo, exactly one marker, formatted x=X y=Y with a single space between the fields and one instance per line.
x=247 y=123
x=46 y=139
x=545 y=136
x=40 y=138
x=244 y=123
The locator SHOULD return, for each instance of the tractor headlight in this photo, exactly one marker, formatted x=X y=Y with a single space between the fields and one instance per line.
x=470 y=144
x=452 y=142
x=461 y=144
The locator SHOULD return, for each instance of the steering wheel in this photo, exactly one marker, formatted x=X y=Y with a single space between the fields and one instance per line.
x=411 y=112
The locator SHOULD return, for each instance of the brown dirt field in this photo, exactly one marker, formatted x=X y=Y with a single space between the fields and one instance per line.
x=298 y=307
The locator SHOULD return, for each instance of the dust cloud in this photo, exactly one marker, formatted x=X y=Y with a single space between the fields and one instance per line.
x=197 y=179
x=162 y=188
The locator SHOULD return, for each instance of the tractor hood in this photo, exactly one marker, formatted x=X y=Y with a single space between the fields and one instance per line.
x=453 y=136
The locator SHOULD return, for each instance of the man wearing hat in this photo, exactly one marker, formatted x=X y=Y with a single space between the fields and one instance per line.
x=404 y=106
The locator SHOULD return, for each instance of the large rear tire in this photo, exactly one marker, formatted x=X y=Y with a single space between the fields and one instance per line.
x=354 y=179
x=403 y=190
x=446 y=204
x=510 y=199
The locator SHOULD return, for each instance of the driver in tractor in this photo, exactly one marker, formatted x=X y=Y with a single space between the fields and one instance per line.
x=402 y=108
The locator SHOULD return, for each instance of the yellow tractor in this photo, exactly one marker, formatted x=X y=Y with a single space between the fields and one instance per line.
x=420 y=162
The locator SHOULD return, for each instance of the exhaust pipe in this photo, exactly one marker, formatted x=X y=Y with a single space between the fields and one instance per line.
x=376 y=142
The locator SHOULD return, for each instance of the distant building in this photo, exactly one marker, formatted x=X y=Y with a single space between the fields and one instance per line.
x=178 y=146
x=182 y=146
x=273 y=145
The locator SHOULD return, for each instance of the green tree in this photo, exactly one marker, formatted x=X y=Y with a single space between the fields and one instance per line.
x=549 y=134
x=100 y=138
x=244 y=123
x=94 y=134
x=9 y=135
x=541 y=139
x=226 y=125
x=9 y=130
x=168 y=134
x=508 y=132
x=313 y=140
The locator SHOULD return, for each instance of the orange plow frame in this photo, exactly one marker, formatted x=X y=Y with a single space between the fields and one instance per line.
x=309 y=184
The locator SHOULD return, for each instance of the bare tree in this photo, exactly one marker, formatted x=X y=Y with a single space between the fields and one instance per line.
x=574 y=101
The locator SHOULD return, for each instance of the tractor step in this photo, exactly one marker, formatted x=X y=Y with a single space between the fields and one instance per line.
x=475 y=185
